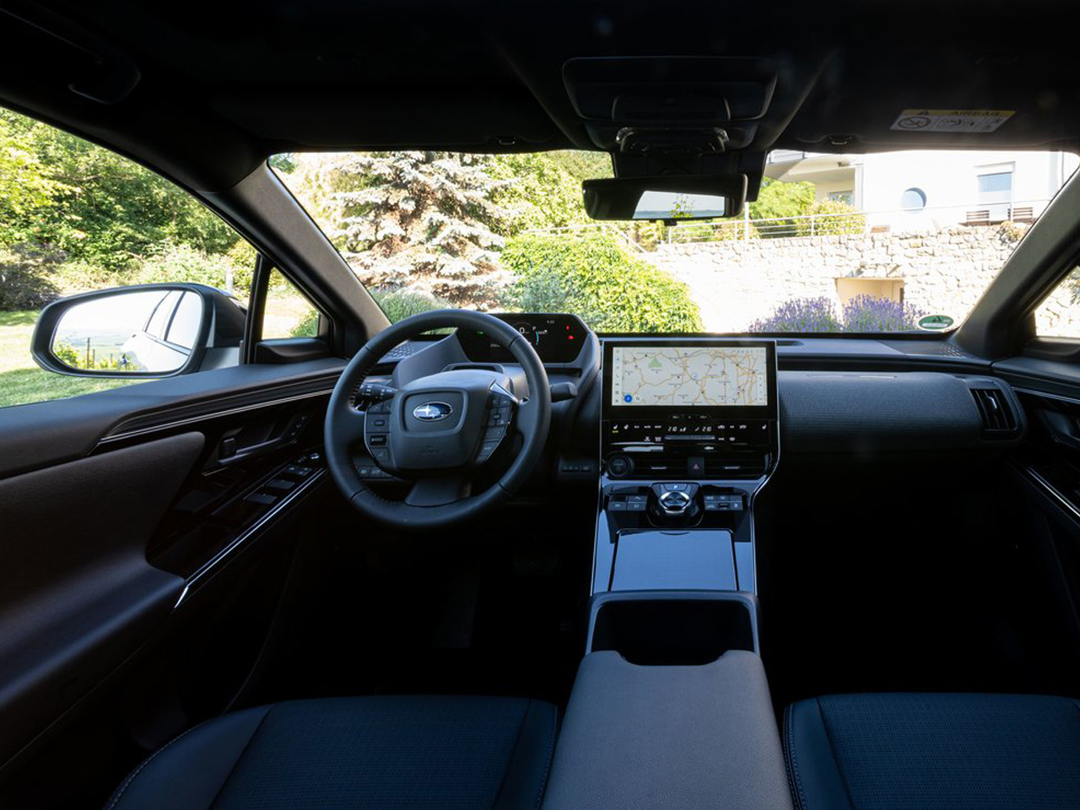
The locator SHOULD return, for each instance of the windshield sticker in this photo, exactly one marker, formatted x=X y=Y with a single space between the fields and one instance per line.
x=963 y=121
x=935 y=322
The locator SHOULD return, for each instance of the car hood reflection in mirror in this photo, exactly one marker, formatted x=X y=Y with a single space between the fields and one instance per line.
x=676 y=205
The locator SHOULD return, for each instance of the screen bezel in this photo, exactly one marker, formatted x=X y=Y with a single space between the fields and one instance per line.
x=769 y=411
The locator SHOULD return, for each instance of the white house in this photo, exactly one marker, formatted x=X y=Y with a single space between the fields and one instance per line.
x=926 y=190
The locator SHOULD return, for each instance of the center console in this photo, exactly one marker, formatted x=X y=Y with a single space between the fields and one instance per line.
x=689 y=436
x=671 y=706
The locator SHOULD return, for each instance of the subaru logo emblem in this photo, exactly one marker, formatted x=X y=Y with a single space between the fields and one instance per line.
x=432 y=411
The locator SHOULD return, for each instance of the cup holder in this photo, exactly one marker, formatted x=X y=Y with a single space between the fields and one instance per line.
x=684 y=628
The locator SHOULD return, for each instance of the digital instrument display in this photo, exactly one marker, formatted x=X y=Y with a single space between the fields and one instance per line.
x=689 y=376
x=556 y=338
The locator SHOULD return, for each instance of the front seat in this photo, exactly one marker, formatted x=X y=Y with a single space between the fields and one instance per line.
x=934 y=751
x=451 y=753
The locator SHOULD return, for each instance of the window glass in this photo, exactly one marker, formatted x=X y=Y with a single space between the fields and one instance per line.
x=996 y=187
x=184 y=329
x=900 y=241
x=163 y=313
x=75 y=218
x=1059 y=313
x=914 y=199
x=289 y=313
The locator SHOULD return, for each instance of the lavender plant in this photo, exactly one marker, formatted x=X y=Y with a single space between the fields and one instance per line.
x=869 y=313
x=801 y=315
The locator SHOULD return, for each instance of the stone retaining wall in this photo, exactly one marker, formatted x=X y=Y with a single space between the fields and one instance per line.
x=944 y=272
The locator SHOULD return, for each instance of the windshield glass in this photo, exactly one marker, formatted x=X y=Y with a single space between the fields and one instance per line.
x=887 y=242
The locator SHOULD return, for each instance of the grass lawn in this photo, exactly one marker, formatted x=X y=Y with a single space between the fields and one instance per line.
x=22 y=380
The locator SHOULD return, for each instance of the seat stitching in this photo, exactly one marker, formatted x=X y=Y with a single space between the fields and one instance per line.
x=513 y=751
x=550 y=757
x=131 y=777
x=240 y=757
x=793 y=765
x=832 y=751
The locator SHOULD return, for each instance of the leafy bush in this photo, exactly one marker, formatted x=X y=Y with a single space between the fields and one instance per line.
x=592 y=276
x=401 y=304
x=780 y=203
x=89 y=360
x=801 y=315
x=831 y=217
x=26 y=277
x=183 y=263
x=869 y=313
x=308 y=327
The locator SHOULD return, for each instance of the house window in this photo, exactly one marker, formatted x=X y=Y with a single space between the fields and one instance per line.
x=995 y=193
x=846 y=197
x=913 y=199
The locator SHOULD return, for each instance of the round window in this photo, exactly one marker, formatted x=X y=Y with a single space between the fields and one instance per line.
x=914 y=199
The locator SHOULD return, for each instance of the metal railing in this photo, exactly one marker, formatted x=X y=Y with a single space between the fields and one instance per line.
x=643 y=237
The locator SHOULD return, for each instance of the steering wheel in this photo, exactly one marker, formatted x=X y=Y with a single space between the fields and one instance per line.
x=438 y=430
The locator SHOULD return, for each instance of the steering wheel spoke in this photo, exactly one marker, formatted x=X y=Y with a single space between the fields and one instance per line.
x=351 y=427
x=438 y=491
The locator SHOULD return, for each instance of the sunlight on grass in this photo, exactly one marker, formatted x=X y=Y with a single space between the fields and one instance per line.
x=26 y=385
x=22 y=381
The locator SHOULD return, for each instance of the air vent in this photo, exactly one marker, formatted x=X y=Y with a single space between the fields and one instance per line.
x=997 y=414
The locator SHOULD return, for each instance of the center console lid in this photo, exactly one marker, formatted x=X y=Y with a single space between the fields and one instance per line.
x=651 y=737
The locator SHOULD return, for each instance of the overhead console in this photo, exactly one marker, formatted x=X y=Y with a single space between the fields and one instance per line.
x=689 y=434
x=662 y=115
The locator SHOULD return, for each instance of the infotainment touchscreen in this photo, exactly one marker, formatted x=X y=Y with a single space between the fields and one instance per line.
x=689 y=376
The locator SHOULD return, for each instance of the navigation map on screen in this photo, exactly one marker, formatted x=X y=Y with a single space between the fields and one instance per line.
x=681 y=376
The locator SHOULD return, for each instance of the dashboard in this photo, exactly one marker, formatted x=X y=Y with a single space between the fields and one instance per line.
x=818 y=397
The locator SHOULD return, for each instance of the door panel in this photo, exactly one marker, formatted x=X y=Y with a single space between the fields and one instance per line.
x=119 y=508
x=77 y=595
x=36 y=436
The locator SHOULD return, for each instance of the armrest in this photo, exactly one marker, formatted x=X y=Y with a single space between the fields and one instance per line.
x=679 y=737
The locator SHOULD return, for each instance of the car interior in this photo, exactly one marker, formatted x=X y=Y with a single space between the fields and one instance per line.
x=475 y=560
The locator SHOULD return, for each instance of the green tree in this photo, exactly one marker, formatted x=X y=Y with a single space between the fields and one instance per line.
x=783 y=202
x=538 y=192
x=27 y=185
x=94 y=204
x=422 y=220
x=582 y=165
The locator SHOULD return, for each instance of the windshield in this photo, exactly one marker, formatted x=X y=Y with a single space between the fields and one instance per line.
x=887 y=242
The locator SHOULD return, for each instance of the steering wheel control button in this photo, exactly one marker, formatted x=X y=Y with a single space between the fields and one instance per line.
x=374 y=392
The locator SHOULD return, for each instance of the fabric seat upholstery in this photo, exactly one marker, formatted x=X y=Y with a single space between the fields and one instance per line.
x=931 y=751
x=452 y=753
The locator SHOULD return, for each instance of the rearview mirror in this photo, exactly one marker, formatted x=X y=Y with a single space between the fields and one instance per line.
x=671 y=198
x=150 y=330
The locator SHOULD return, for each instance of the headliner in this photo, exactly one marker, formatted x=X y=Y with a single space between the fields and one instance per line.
x=217 y=88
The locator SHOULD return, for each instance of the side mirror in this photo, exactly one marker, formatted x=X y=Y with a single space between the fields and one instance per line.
x=147 y=330
x=670 y=198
